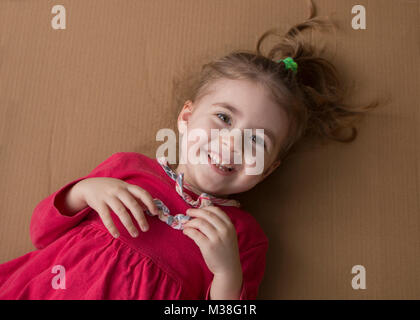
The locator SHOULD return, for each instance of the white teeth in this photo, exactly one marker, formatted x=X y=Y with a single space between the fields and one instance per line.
x=221 y=167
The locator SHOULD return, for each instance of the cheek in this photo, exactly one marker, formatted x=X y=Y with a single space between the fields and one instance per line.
x=257 y=167
x=197 y=140
x=197 y=133
x=252 y=157
x=247 y=182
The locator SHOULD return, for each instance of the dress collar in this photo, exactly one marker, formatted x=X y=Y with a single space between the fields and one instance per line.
x=204 y=199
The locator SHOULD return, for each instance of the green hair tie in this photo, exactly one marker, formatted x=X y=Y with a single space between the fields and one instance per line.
x=289 y=63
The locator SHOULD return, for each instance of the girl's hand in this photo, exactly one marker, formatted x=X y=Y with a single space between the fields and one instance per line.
x=101 y=193
x=217 y=240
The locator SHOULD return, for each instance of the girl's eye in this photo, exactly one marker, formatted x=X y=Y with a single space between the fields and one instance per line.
x=260 y=141
x=223 y=117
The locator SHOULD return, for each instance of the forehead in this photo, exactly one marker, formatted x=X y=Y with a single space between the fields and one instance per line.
x=253 y=101
x=244 y=92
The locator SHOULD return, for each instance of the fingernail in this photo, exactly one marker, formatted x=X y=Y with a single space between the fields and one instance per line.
x=116 y=235
x=135 y=234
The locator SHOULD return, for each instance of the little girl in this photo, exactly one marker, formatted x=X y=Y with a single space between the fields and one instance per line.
x=195 y=240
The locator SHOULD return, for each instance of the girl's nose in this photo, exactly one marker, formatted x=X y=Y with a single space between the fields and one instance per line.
x=232 y=141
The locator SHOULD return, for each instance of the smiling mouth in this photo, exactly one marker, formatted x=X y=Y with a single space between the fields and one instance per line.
x=221 y=169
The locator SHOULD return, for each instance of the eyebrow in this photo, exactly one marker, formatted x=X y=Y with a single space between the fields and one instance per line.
x=236 y=111
x=233 y=109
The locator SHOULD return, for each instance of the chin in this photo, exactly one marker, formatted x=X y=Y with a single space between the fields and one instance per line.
x=216 y=191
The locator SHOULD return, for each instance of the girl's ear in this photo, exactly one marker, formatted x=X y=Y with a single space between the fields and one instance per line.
x=184 y=115
x=273 y=166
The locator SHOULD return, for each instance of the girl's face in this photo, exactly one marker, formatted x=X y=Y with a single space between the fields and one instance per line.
x=230 y=104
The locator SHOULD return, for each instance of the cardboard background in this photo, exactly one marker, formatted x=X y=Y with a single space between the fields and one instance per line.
x=70 y=98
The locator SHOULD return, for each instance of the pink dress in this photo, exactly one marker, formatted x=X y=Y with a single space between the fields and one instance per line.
x=161 y=263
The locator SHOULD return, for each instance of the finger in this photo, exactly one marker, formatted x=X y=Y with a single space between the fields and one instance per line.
x=209 y=216
x=204 y=226
x=199 y=238
x=220 y=213
x=122 y=213
x=144 y=196
x=103 y=212
x=135 y=208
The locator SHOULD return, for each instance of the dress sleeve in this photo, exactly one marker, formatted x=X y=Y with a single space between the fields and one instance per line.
x=47 y=222
x=253 y=267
